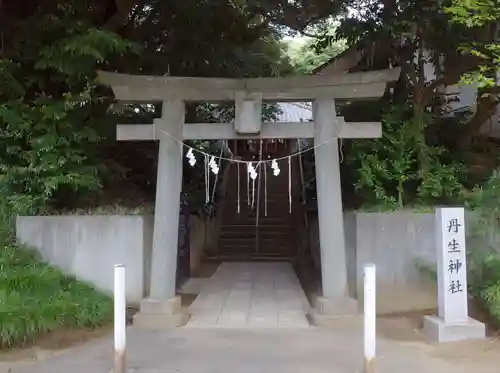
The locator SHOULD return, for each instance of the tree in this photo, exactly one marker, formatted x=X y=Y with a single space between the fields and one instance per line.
x=482 y=18
x=304 y=56
x=50 y=103
x=412 y=34
x=290 y=15
x=59 y=132
x=387 y=170
x=417 y=36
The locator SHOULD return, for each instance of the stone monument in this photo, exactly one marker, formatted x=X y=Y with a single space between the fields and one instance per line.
x=452 y=322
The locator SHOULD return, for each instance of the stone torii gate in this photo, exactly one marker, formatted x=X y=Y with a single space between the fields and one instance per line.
x=162 y=308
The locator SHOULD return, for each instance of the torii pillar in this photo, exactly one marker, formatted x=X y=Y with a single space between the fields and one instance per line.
x=161 y=307
x=335 y=300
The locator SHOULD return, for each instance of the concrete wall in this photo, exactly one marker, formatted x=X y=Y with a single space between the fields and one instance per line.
x=203 y=237
x=394 y=242
x=89 y=246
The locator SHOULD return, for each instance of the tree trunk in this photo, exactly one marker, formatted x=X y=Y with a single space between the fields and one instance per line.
x=485 y=109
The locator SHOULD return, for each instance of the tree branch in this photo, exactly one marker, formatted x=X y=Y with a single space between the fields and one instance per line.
x=124 y=7
x=486 y=107
x=453 y=72
x=302 y=32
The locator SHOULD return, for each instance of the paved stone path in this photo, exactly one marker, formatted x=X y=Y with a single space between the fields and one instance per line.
x=280 y=350
x=250 y=295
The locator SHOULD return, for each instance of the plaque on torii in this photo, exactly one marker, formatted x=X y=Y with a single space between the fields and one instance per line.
x=162 y=307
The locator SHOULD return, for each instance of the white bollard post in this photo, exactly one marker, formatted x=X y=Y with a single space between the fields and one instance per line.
x=120 y=321
x=369 y=318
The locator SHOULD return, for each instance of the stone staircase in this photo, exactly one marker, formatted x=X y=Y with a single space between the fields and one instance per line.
x=251 y=234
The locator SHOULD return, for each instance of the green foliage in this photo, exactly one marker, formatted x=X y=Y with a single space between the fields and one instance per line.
x=36 y=298
x=474 y=13
x=390 y=171
x=483 y=276
x=484 y=280
x=116 y=209
x=483 y=254
x=48 y=116
x=52 y=114
x=78 y=55
x=441 y=180
x=484 y=201
x=223 y=39
x=389 y=163
x=40 y=152
x=482 y=17
x=310 y=52
x=484 y=244
x=305 y=56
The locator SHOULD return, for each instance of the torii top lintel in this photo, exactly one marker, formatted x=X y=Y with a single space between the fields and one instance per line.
x=362 y=85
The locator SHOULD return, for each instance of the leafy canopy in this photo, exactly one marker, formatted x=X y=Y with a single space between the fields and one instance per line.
x=51 y=108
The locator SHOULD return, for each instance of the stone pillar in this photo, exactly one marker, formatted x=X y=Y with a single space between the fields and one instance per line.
x=452 y=324
x=163 y=307
x=335 y=300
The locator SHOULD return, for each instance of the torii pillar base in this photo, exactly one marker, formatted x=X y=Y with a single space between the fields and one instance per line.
x=165 y=314
x=332 y=312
